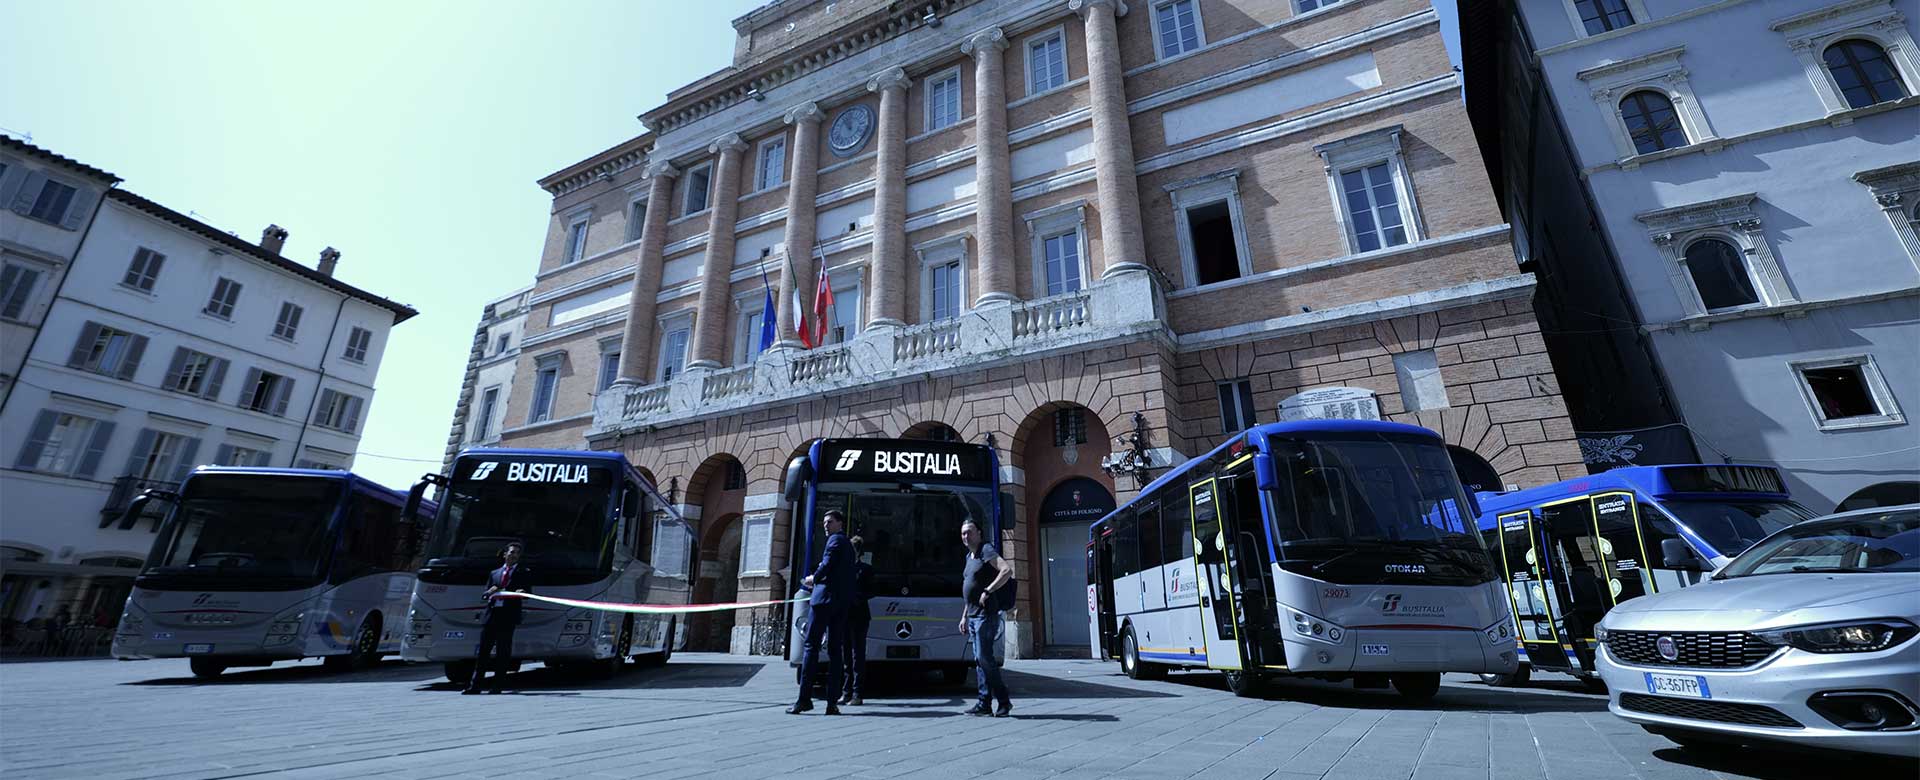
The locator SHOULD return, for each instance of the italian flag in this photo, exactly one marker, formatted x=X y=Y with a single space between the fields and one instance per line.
x=799 y=312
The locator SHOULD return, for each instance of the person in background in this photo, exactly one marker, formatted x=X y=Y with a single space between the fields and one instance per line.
x=500 y=617
x=832 y=589
x=986 y=573
x=859 y=617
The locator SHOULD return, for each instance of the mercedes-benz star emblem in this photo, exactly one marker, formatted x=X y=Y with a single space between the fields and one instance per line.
x=903 y=629
x=1667 y=649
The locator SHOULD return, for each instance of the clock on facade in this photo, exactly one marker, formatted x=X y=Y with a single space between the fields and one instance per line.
x=850 y=130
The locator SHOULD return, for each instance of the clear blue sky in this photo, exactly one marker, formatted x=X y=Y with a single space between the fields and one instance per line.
x=406 y=134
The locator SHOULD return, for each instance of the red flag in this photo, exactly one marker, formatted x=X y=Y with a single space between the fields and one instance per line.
x=800 y=327
x=822 y=301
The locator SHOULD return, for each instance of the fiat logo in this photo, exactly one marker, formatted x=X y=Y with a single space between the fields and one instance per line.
x=1667 y=649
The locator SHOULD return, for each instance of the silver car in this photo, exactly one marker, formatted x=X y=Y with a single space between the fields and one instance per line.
x=1806 y=638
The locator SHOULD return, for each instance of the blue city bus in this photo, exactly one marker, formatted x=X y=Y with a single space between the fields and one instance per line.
x=1571 y=550
x=592 y=529
x=257 y=565
x=906 y=499
x=1332 y=549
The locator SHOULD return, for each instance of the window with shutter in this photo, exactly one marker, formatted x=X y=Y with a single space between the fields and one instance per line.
x=16 y=290
x=61 y=443
x=144 y=270
x=52 y=202
x=106 y=350
x=289 y=322
x=358 y=340
x=226 y=294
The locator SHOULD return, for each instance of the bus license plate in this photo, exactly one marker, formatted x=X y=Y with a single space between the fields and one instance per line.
x=1373 y=650
x=1691 y=686
x=198 y=649
x=454 y=635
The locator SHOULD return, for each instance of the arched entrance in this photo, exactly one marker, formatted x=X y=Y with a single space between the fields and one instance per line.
x=1065 y=513
x=1475 y=472
x=1883 y=494
x=1060 y=446
x=717 y=490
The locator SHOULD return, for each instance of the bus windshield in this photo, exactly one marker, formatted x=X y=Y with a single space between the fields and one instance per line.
x=1373 y=508
x=911 y=533
x=248 y=527
x=565 y=526
x=1730 y=527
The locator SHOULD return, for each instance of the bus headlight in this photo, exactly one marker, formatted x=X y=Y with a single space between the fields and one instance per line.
x=1499 y=634
x=572 y=640
x=1313 y=627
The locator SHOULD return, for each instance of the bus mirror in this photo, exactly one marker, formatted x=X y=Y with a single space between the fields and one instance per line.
x=798 y=472
x=1675 y=554
x=413 y=500
x=1265 y=475
x=1009 y=511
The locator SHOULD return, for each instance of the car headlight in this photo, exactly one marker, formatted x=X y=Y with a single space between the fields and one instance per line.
x=1862 y=636
x=1313 y=627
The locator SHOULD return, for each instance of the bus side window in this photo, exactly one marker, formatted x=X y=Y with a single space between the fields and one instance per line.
x=1126 y=544
x=371 y=542
x=1150 y=548
x=1175 y=517
x=1656 y=528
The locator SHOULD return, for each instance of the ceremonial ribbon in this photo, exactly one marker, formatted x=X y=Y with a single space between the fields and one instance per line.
x=647 y=609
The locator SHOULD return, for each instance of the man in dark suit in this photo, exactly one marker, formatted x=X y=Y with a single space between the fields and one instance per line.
x=859 y=618
x=832 y=584
x=499 y=618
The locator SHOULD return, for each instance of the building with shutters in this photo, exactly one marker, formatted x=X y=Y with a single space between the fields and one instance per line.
x=49 y=204
x=170 y=344
x=1056 y=224
x=1729 y=192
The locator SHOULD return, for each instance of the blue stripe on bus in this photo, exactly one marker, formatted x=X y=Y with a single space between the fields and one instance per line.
x=1173 y=657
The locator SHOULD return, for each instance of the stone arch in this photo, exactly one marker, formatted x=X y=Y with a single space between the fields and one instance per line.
x=647 y=474
x=717 y=580
x=1470 y=429
x=931 y=430
x=1041 y=465
x=1882 y=494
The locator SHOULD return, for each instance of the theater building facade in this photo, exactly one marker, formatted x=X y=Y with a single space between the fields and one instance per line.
x=1083 y=229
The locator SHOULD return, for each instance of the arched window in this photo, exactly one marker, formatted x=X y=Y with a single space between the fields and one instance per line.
x=1651 y=122
x=1863 y=73
x=1720 y=274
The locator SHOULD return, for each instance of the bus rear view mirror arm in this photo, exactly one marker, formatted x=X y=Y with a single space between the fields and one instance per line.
x=1675 y=554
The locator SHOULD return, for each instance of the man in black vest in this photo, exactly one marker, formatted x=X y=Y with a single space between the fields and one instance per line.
x=499 y=618
x=832 y=584
x=859 y=618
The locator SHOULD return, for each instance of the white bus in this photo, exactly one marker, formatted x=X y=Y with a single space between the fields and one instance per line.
x=1334 y=549
x=256 y=565
x=593 y=529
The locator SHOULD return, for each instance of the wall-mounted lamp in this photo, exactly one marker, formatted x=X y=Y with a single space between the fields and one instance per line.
x=756 y=94
x=931 y=19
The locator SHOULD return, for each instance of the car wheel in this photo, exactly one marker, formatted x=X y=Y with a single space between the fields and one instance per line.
x=1416 y=686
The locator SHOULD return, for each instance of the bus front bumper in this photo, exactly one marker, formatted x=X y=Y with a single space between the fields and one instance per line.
x=181 y=643
x=448 y=645
x=1364 y=650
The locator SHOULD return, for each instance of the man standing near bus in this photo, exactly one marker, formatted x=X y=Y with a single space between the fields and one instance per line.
x=981 y=620
x=859 y=619
x=498 y=620
x=832 y=585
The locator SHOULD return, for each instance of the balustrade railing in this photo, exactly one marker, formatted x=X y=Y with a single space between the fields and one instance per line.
x=820 y=364
x=647 y=400
x=921 y=341
x=726 y=384
x=1045 y=317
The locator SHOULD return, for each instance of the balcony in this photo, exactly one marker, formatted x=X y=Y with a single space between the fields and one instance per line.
x=1116 y=309
x=125 y=490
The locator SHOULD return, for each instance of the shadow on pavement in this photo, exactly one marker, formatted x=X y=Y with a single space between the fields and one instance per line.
x=384 y=671
x=1034 y=686
x=1343 y=695
x=1787 y=763
x=675 y=675
x=1083 y=717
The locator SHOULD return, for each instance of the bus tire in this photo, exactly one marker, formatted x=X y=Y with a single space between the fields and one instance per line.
x=206 y=668
x=1518 y=678
x=1244 y=683
x=1130 y=659
x=666 y=649
x=365 y=650
x=459 y=672
x=953 y=674
x=1416 y=686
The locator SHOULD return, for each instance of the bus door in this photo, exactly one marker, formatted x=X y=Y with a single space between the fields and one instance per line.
x=1219 y=626
x=1249 y=559
x=1100 y=590
x=1597 y=542
x=1530 y=587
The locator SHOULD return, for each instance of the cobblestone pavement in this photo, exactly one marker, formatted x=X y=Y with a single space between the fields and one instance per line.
x=720 y=716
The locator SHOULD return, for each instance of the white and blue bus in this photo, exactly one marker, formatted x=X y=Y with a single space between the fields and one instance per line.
x=906 y=499
x=1571 y=550
x=592 y=529
x=257 y=565
x=1332 y=549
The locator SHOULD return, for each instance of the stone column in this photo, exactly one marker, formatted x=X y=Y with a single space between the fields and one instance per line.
x=993 y=209
x=887 y=299
x=636 y=350
x=710 y=333
x=1121 y=247
x=803 y=185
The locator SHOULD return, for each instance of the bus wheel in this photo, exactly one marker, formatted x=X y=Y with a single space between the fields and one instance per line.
x=1516 y=679
x=1244 y=683
x=666 y=650
x=1416 y=686
x=366 y=647
x=206 y=668
x=953 y=674
x=1130 y=659
x=459 y=672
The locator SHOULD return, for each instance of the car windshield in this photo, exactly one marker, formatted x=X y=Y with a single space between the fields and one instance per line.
x=1730 y=527
x=565 y=525
x=1875 y=542
x=909 y=534
x=248 y=526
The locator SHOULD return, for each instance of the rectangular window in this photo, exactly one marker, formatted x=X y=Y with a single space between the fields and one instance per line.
x=576 y=242
x=266 y=392
x=500 y=347
x=1599 y=16
x=946 y=290
x=546 y=381
x=1216 y=252
x=483 y=427
x=1308 y=5
x=226 y=294
x=1063 y=262
x=64 y=444
x=1373 y=207
x=289 y=322
x=609 y=369
x=338 y=411
x=195 y=373
x=673 y=353
x=144 y=270
x=1069 y=427
x=358 y=340
x=773 y=163
x=236 y=455
x=1847 y=393
x=1236 y=406
x=160 y=457
x=747 y=342
x=109 y=351
x=1046 y=63
x=698 y=181
x=943 y=101
x=1179 y=28
x=52 y=204
x=322 y=465
x=636 y=219
x=1421 y=387
x=843 y=320
x=16 y=289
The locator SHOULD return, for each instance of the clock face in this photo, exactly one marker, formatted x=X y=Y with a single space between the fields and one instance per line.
x=850 y=130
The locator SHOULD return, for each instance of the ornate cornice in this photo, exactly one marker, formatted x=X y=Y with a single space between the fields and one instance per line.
x=591 y=170
x=1736 y=211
